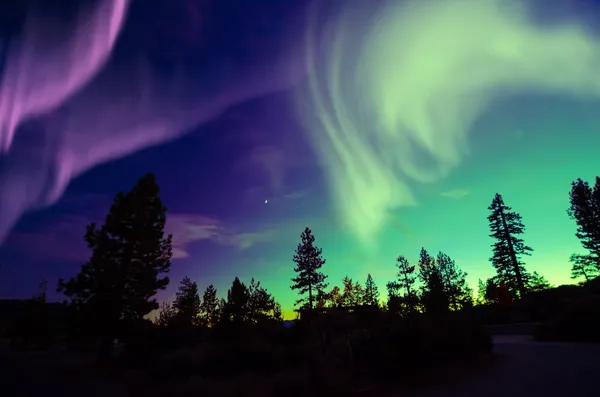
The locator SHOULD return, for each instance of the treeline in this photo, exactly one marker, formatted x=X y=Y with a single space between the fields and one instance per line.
x=345 y=335
x=131 y=256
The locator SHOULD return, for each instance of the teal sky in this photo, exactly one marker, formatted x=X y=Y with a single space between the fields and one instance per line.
x=527 y=149
x=384 y=128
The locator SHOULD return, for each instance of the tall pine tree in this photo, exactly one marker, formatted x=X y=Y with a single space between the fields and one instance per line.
x=309 y=281
x=506 y=225
x=130 y=252
x=585 y=211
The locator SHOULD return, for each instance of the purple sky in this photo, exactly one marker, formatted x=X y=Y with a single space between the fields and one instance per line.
x=211 y=97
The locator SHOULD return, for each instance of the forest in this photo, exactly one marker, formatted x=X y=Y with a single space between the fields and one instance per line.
x=354 y=336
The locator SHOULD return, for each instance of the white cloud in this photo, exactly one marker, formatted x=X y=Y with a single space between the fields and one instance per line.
x=189 y=228
x=455 y=193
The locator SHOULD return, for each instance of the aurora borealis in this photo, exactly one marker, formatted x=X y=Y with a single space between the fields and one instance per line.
x=384 y=127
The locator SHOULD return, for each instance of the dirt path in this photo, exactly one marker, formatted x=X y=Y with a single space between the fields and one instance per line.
x=525 y=368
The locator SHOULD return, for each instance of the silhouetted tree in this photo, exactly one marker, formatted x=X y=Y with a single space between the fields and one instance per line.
x=209 y=309
x=426 y=266
x=454 y=281
x=435 y=299
x=371 y=293
x=309 y=260
x=491 y=291
x=481 y=295
x=403 y=303
x=187 y=303
x=334 y=297
x=278 y=313
x=166 y=314
x=237 y=304
x=406 y=274
x=351 y=294
x=433 y=294
x=129 y=253
x=584 y=266
x=506 y=225
x=260 y=303
x=537 y=283
x=585 y=210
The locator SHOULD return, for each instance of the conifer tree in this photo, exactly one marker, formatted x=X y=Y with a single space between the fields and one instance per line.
x=402 y=297
x=433 y=292
x=371 y=293
x=335 y=297
x=537 y=283
x=260 y=303
x=309 y=282
x=455 y=282
x=209 y=309
x=166 y=314
x=187 y=303
x=238 y=300
x=506 y=225
x=352 y=293
x=426 y=266
x=130 y=252
x=584 y=266
x=406 y=275
x=585 y=211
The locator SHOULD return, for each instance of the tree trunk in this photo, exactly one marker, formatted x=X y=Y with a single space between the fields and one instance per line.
x=513 y=257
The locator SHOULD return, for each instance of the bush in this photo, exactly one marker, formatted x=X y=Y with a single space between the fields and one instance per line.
x=578 y=322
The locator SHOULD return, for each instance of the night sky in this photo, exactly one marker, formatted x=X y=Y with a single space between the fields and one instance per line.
x=383 y=126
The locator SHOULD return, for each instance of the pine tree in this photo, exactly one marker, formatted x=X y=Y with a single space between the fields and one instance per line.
x=334 y=297
x=490 y=292
x=238 y=301
x=406 y=275
x=585 y=210
x=371 y=293
x=310 y=281
x=584 y=266
x=426 y=266
x=433 y=293
x=351 y=294
x=260 y=302
x=538 y=283
x=278 y=313
x=166 y=314
x=455 y=282
x=187 y=302
x=506 y=225
x=435 y=299
x=209 y=309
x=481 y=296
x=129 y=254
x=404 y=304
